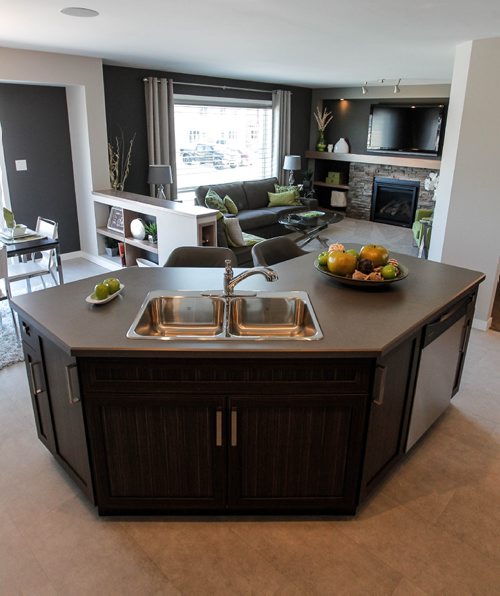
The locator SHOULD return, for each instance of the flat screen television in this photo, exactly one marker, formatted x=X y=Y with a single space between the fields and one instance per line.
x=411 y=128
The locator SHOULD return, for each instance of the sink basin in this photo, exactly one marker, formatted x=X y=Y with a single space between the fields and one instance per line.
x=194 y=316
x=176 y=316
x=288 y=316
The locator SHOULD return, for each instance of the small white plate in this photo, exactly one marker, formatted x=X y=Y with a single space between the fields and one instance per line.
x=91 y=299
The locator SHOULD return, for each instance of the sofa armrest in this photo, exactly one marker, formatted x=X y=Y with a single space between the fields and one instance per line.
x=310 y=203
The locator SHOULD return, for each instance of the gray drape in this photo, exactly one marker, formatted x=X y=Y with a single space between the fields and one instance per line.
x=161 y=130
x=282 y=103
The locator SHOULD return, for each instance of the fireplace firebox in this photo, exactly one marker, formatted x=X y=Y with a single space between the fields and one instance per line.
x=394 y=201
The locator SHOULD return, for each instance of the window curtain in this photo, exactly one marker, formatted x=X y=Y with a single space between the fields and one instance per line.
x=160 y=127
x=282 y=102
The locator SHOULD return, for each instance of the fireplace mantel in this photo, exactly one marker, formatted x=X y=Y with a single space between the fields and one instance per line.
x=390 y=160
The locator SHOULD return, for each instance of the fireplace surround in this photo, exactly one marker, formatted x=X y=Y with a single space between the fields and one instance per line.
x=394 y=201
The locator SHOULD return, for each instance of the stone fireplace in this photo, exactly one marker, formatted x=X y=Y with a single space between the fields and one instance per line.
x=394 y=201
x=361 y=181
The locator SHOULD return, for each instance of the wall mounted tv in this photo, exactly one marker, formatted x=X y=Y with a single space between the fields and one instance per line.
x=411 y=128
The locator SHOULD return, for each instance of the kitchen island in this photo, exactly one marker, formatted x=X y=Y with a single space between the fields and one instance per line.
x=149 y=426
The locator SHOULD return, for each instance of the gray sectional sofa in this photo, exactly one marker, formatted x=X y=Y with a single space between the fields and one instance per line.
x=254 y=215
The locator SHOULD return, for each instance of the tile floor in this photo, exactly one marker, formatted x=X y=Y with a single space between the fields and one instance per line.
x=432 y=528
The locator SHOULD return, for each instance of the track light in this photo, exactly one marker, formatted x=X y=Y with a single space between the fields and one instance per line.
x=364 y=89
x=396 y=87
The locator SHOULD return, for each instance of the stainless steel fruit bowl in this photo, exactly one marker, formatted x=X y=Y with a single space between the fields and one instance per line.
x=196 y=316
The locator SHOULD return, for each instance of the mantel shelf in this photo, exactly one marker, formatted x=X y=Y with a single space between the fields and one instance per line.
x=409 y=162
x=329 y=185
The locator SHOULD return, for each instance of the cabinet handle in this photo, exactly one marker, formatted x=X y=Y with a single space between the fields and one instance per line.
x=36 y=390
x=466 y=336
x=218 y=427
x=379 y=384
x=73 y=399
x=234 y=427
x=26 y=329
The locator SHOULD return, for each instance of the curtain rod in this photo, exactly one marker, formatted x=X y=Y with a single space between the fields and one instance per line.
x=223 y=87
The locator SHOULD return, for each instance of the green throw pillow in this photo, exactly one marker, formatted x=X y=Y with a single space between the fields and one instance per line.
x=286 y=188
x=230 y=205
x=251 y=239
x=213 y=201
x=277 y=199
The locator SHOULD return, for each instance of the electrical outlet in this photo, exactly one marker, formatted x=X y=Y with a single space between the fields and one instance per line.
x=21 y=165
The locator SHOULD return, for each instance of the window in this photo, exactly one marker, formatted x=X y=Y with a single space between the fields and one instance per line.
x=221 y=141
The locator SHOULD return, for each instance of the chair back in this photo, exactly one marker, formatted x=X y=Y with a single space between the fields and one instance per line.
x=275 y=250
x=47 y=227
x=200 y=256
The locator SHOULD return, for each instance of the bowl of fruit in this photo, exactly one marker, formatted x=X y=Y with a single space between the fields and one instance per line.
x=369 y=267
x=105 y=291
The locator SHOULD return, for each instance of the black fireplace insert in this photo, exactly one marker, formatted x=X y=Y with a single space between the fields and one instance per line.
x=394 y=201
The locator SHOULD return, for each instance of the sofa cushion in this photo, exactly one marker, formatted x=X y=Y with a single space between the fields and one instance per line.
x=256 y=192
x=256 y=218
x=233 y=232
x=234 y=190
x=214 y=201
x=281 y=210
x=283 y=198
x=286 y=188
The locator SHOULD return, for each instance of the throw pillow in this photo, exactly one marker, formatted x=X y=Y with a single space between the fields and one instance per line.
x=286 y=188
x=233 y=231
x=251 y=239
x=213 y=201
x=230 y=205
x=277 y=199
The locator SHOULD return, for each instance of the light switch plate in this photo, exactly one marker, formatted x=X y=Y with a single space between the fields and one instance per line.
x=21 y=165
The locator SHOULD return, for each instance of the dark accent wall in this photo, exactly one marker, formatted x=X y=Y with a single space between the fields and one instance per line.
x=351 y=116
x=35 y=127
x=125 y=111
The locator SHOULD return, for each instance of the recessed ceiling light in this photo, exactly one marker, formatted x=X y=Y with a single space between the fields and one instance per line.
x=74 y=11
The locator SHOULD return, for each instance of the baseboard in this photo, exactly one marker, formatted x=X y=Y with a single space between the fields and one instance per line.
x=77 y=254
x=102 y=261
x=481 y=324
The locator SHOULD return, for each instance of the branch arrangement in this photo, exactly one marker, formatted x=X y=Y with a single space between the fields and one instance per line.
x=323 y=119
x=119 y=161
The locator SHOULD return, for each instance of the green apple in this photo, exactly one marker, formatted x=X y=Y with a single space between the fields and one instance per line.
x=389 y=272
x=101 y=291
x=353 y=252
x=113 y=284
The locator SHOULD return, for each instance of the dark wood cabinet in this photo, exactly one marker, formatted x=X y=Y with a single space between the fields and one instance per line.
x=55 y=394
x=295 y=452
x=157 y=452
x=393 y=385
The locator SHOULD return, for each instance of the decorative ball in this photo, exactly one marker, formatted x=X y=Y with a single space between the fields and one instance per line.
x=137 y=229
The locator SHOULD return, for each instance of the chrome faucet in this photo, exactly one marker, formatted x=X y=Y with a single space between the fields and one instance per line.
x=231 y=282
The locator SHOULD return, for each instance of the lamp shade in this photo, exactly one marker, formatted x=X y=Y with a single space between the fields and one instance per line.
x=160 y=174
x=292 y=162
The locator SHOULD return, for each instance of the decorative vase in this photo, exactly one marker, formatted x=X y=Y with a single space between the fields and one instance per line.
x=341 y=146
x=137 y=229
x=321 y=143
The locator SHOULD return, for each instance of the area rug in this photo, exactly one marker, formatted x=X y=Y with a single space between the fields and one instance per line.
x=10 y=345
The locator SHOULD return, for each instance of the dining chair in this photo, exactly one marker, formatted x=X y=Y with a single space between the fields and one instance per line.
x=200 y=256
x=5 y=293
x=38 y=266
x=275 y=250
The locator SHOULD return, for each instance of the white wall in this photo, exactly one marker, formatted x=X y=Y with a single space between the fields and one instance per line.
x=83 y=80
x=467 y=214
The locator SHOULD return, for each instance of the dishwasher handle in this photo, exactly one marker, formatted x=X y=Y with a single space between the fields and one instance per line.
x=445 y=321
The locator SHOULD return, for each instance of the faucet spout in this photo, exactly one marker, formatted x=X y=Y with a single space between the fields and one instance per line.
x=231 y=282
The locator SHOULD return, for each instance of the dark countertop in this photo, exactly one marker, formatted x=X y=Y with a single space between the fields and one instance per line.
x=355 y=322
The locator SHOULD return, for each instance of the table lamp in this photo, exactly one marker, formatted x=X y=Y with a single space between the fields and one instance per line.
x=159 y=175
x=291 y=163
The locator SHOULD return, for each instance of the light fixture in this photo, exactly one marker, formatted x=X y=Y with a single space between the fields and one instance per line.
x=396 y=87
x=159 y=175
x=75 y=11
x=291 y=163
x=364 y=89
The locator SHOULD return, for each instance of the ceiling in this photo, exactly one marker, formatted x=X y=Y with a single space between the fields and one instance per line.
x=315 y=43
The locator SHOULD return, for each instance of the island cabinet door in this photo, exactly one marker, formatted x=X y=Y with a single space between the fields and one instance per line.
x=295 y=452
x=39 y=394
x=156 y=452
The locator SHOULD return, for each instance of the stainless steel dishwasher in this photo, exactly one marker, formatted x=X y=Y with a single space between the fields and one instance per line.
x=443 y=348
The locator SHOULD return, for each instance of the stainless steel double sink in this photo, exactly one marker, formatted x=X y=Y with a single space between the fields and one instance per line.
x=189 y=315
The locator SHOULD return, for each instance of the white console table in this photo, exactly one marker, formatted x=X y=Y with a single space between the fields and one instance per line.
x=177 y=224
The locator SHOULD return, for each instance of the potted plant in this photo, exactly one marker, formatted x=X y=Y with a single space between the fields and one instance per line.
x=152 y=232
x=110 y=246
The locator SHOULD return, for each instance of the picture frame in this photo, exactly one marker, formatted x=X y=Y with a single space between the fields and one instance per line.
x=115 y=220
